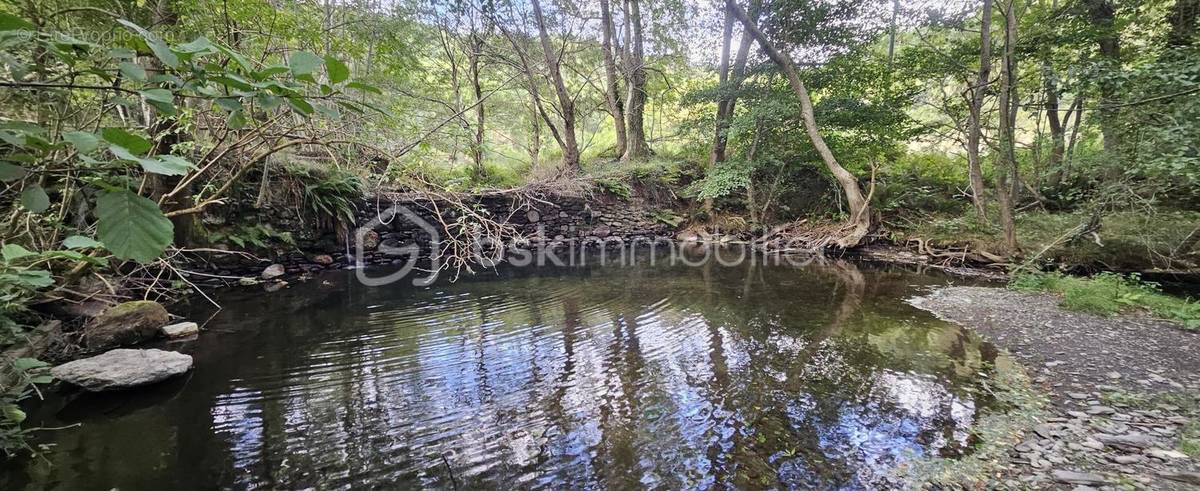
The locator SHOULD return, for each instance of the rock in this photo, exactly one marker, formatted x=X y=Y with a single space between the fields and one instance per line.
x=1100 y=410
x=602 y=231
x=1131 y=441
x=1161 y=454
x=276 y=286
x=323 y=259
x=1183 y=477
x=123 y=368
x=181 y=330
x=124 y=324
x=370 y=240
x=273 y=271
x=1072 y=477
x=533 y=216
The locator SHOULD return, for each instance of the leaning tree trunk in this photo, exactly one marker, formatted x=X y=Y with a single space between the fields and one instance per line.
x=636 y=147
x=860 y=212
x=1006 y=172
x=570 y=147
x=975 y=132
x=612 y=91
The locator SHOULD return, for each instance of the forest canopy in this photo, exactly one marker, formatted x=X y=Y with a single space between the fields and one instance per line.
x=125 y=123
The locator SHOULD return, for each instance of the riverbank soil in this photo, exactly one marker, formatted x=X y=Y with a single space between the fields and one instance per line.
x=1124 y=391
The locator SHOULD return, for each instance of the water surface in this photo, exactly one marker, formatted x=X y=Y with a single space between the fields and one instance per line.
x=665 y=376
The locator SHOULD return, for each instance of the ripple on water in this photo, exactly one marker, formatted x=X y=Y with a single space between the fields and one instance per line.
x=605 y=377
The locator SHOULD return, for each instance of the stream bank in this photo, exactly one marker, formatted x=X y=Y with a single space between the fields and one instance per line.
x=1124 y=391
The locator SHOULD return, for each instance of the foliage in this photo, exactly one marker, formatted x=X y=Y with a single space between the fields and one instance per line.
x=257 y=235
x=330 y=198
x=1109 y=294
x=614 y=187
x=25 y=374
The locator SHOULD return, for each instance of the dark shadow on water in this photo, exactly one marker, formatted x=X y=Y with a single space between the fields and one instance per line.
x=759 y=374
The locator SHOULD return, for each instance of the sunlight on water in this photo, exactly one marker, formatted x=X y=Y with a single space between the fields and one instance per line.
x=615 y=377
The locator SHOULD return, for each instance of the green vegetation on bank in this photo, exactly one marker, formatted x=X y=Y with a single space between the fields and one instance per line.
x=1110 y=294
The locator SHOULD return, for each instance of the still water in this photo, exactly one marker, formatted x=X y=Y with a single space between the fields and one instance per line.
x=616 y=377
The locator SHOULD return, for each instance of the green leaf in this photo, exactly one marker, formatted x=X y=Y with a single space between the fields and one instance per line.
x=236 y=120
x=81 y=242
x=167 y=165
x=364 y=87
x=303 y=63
x=301 y=105
x=170 y=165
x=132 y=71
x=10 y=172
x=338 y=71
x=236 y=57
x=161 y=99
x=34 y=199
x=14 y=414
x=156 y=45
x=12 y=252
x=26 y=364
x=132 y=227
x=129 y=141
x=9 y=22
x=34 y=278
x=83 y=141
x=198 y=45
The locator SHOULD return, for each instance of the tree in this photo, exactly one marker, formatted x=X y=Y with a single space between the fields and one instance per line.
x=565 y=137
x=860 y=212
x=612 y=90
x=636 y=147
x=974 y=130
x=1102 y=14
x=1006 y=170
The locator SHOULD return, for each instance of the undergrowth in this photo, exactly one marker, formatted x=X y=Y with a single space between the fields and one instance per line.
x=1110 y=294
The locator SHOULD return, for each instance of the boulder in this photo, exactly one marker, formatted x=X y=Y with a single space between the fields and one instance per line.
x=181 y=330
x=125 y=324
x=123 y=369
x=323 y=259
x=370 y=240
x=273 y=271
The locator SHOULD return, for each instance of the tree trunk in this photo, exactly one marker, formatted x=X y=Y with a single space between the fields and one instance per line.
x=975 y=131
x=1006 y=171
x=636 y=147
x=1058 y=133
x=1183 y=23
x=722 y=121
x=1103 y=17
x=860 y=212
x=570 y=148
x=612 y=92
x=476 y=86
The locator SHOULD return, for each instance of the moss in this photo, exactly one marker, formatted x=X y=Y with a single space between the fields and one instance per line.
x=1189 y=440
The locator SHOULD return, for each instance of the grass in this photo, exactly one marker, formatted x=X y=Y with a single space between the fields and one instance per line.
x=1110 y=294
x=1189 y=440
x=1128 y=240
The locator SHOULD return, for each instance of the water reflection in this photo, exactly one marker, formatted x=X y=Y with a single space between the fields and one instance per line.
x=613 y=377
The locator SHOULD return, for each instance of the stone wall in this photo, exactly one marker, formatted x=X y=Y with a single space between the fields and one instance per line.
x=552 y=221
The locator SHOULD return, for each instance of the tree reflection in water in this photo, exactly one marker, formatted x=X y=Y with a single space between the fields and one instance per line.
x=760 y=374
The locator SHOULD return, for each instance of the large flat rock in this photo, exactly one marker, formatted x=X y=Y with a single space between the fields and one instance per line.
x=123 y=369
